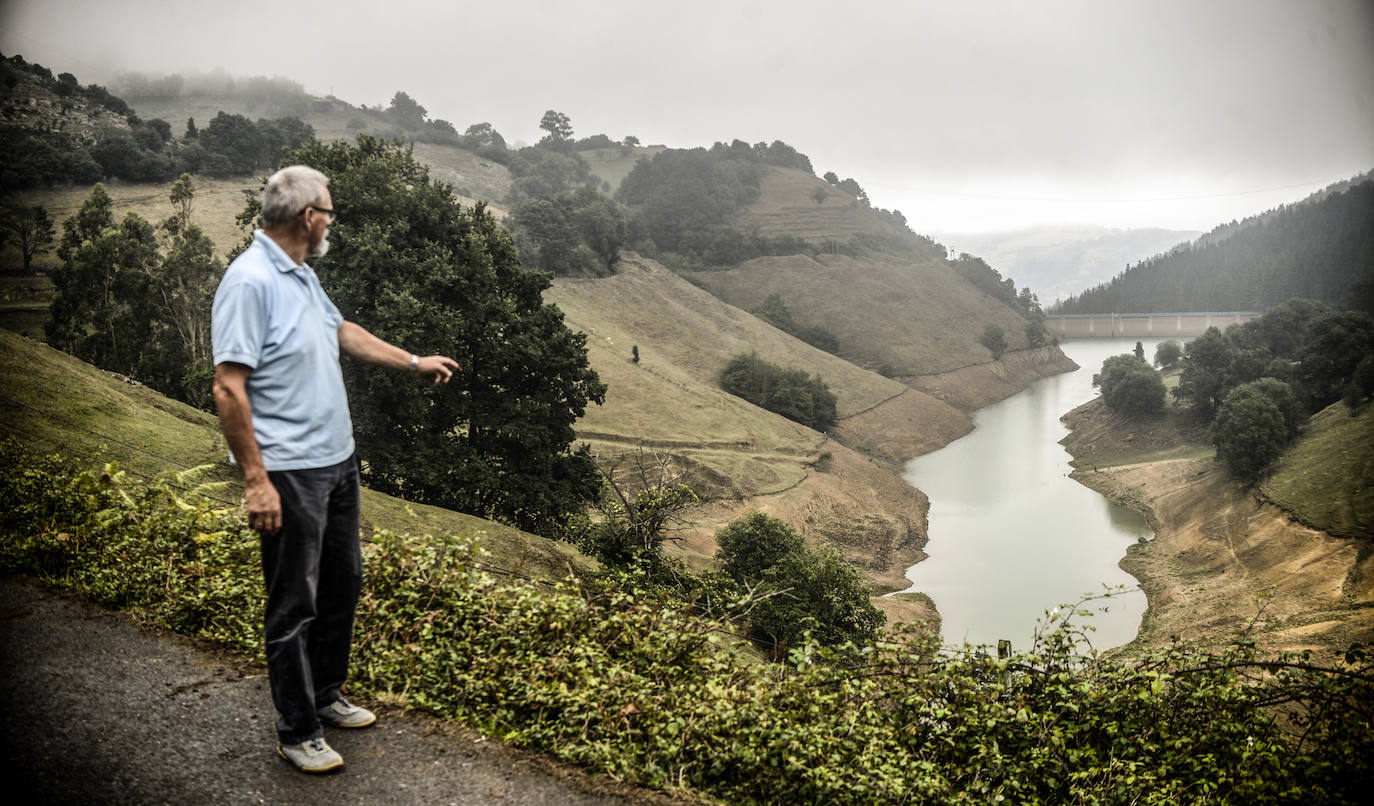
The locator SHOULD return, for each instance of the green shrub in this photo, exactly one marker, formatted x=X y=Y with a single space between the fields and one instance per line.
x=611 y=675
x=792 y=393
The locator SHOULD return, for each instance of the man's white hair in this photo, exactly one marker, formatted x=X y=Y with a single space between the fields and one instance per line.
x=289 y=192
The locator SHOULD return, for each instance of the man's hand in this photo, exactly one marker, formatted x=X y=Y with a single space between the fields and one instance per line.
x=436 y=369
x=263 y=505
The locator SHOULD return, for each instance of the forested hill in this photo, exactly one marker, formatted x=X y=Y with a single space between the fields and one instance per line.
x=1322 y=249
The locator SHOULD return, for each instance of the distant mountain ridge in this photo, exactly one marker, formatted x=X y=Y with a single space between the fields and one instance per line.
x=1059 y=261
x=1321 y=248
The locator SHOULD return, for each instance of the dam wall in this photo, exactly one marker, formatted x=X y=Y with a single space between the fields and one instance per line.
x=1141 y=325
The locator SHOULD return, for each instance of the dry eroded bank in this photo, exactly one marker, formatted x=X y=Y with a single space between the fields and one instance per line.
x=1223 y=561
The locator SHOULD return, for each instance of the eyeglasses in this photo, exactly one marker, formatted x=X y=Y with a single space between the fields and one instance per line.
x=318 y=209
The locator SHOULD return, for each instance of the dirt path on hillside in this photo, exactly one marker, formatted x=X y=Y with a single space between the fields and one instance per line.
x=98 y=711
x=1223 y=560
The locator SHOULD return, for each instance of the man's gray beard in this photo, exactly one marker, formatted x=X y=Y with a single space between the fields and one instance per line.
x=322 y=248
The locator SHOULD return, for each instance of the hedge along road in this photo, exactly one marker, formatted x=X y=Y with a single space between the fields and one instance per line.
x=98 y=711
x=1011 y=535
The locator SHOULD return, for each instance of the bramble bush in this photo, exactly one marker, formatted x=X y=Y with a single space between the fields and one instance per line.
x=616 y=676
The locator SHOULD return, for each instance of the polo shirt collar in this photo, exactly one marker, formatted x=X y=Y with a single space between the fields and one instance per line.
x=280 y=260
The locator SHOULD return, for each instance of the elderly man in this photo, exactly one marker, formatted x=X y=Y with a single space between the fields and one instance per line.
x=282 y=408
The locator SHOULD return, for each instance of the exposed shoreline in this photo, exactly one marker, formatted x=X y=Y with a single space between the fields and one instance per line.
x=1223 y=561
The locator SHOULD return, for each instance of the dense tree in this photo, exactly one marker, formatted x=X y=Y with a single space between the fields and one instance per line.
x=282 y=135
x=1361 y=384
x=792 y=393
x=1282 y=330
x=1250 y=431
x=570 y=234
x=120 y=155
x=851 y=187
x=99 y=312
x=128 y=306
x=539 y=173
x=548 y=239
x=1202 y=383
x=1130 y=386
x=30 y=159
x=416 y=268
x=1167 y=354
x=558 y=126
x=819 y=195
x=602 y=224
x=1336 y=344
x=237 y=140
x=406 y=112
x=805 y=589
x=183 y=286
x=484 y=135
x=994 y=339
x=30 y=230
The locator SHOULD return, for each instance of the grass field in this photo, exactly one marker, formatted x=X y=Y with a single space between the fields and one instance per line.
x=217 y=202
x=1324 y=478
x=612 y=165
x=54 y=403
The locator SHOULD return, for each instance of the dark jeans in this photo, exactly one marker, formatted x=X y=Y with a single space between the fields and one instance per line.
x=313 y=568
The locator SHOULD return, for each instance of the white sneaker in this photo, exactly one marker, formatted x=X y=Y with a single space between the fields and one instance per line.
x=313 y=756
x=343 y=714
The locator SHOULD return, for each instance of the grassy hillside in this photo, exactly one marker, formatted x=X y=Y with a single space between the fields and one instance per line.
x=56 y=403
x=914 y=318
x=1324 y=478
x=740 y=455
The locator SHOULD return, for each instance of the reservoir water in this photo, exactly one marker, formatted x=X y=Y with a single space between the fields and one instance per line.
x=1011 y=535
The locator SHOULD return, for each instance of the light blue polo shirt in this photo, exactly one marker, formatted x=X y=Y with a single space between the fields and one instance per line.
x=272 y=316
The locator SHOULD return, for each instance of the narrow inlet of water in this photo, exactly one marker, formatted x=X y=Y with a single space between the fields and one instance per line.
x=1011 y=535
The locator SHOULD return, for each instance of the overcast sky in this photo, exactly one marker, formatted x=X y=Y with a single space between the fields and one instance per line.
x=966 y=116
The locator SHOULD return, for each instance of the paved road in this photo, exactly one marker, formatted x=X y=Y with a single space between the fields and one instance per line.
x=98 y=711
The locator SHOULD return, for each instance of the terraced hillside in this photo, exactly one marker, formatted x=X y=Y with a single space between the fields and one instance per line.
x=786 y=206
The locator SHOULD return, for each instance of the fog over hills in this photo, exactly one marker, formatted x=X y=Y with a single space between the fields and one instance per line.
x=1056 y=261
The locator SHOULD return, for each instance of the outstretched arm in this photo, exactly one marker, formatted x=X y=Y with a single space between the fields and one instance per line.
x=359 y=343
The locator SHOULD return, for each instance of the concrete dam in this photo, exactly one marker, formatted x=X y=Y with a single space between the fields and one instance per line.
x=1141 y=325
